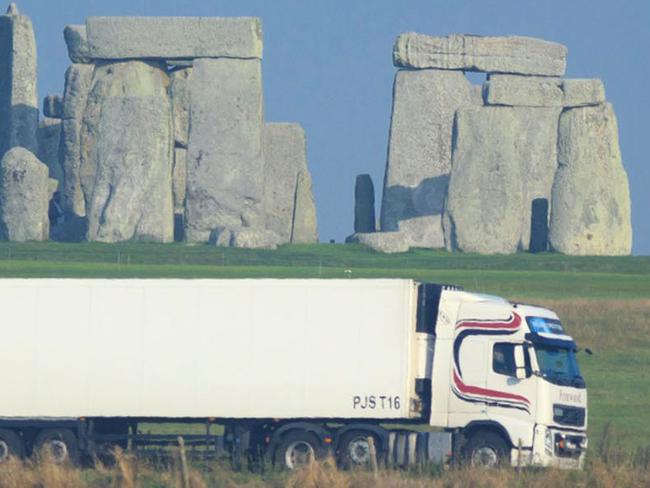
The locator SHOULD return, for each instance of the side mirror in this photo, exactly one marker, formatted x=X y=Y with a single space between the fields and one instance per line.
x=520 y=363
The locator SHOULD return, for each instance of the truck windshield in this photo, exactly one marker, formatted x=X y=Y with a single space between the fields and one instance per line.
x=559 y=365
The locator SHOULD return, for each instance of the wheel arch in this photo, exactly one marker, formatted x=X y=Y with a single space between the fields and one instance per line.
x=486 y=426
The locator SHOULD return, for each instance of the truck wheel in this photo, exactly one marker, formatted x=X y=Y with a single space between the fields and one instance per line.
x=486 y=450
x=10 y=445
x=297 y=449
x=59 y=446
x=354 y=449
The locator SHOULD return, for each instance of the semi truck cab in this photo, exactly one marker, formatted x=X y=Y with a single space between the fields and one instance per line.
x=506 y=378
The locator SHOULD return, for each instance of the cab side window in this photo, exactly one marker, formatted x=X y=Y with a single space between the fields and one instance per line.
x=503 y=359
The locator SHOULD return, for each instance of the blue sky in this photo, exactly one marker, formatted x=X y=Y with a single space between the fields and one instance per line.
x=327 y=65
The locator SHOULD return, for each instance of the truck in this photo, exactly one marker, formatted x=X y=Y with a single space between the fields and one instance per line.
x=290 y=370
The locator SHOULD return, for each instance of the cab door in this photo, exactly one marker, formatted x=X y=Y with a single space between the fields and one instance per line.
x=513 y=400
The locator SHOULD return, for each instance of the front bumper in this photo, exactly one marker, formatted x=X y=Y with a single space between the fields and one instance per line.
x=557 y=447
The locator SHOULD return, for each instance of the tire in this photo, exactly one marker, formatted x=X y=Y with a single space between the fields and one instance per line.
x=354 y=451
x=10 y=445
x=487 y=450
x=58 y=446
x=297 y=449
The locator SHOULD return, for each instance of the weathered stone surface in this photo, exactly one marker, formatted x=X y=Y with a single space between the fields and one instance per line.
x=25 y=192
x=247 y=237
x=127 y=151
x=224 y=161
x=18 y=98
x=485 y=201
x=581 y=92
x=179 y=179
x=517 y=55
x=590 y=210
x=387 y=242
x=305 y=227
x=524 y=91
x=419 y=152
x=364 y=205
x=53 y=106
x=77 y=41
x=49 y=137
x=285 y=158
x=78 y=79
x=174 y=37
x=536 y=152
x=180 y=94
x=477 y=96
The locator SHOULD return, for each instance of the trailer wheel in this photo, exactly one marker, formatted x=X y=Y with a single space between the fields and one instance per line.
x=486 y=450
x=10 y=445
x=58 y=446
x=297 y=449
x=354 y=449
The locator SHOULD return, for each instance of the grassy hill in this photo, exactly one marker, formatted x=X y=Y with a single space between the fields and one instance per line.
x=603 y=301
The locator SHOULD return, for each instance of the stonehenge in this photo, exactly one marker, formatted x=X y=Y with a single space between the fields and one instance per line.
x=517 y=164
x=158 y=136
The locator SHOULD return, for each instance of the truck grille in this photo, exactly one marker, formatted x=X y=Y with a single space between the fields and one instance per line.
x=566 y=415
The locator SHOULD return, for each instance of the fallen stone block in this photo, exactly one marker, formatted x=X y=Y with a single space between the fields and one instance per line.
x=516 y=55
x=174 y=37
x=249 y=238
x=590 y=209
x=78 y=80
x=25 y=192
x=126 y=154
x=364 y=205
x=524 y=91
x=224 y=161
x=53 y=106
x=386 y=242
x=49 y=138
x=18 y=96
x=76 y=40
x=582 y=92
x=419 y=152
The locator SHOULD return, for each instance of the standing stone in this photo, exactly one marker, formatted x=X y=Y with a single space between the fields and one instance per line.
x=179 y=179
x=364 y=205
x=127 y=151
x=419 y=152
x=224 y=161
x=76 y=40
x=174 y=37
x=590 y=211
x=524 y=91
x=516 y=55
x=78 y=79
x=536 y=152
x=25 y=193
x=304 y=228
x=484 y=205
x=49 y=137
x=180 y=94
x=53 y=106
x=582 y=92
x=285 y=157
x=18 y=98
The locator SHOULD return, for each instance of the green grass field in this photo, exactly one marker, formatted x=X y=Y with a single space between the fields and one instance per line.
x=604 y=301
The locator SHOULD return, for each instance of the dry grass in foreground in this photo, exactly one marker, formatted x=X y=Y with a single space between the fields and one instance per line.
x=128 y=472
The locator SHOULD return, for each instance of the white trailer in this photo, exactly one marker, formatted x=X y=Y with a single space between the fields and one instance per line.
x=291 y=368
